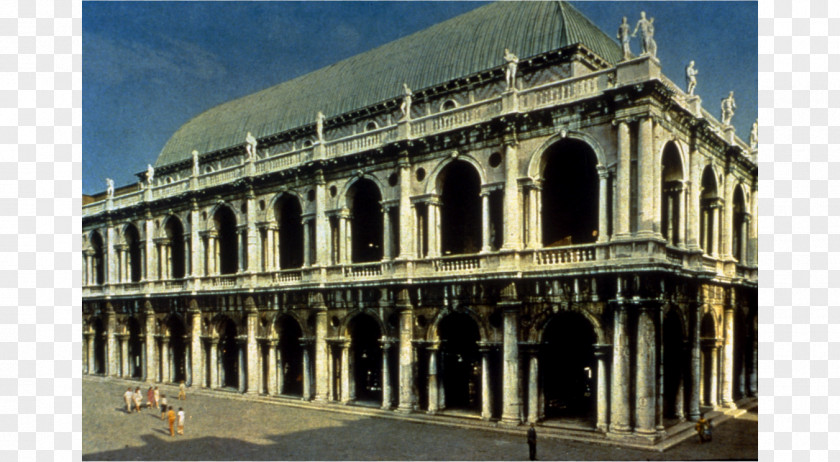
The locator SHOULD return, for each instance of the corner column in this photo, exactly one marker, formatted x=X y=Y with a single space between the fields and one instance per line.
x=406 y=213
x=434 y=398
x=486 y=395
x=196 y=351
x=646 y=373
x=602 y=354
x=533 y=384
x=511 y=395
x=322 y=378
x=386 y=374
x=647 y=177
x=407 y=400
x=622 y=225
x=620 y=389
x=728 y=368
x=512 y=212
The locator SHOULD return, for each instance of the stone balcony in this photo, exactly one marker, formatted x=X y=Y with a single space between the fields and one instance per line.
x=635 y=255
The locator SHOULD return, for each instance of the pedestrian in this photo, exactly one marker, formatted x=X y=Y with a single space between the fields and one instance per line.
x=532 y=443
x=128 y=396
x=157 y=397
x=171 y=415
x=162 y=407
x=181 y=417
x=138 y=398
x=704 y=429
x=182 y=391
x=150 y=397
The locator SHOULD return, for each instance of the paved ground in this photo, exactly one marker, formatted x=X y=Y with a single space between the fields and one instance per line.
x=222 y=428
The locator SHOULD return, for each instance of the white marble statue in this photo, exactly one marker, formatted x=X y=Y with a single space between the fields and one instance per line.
x=405 y=107
x=727 y=109
x=624 y=37
x=250 y=147
x=319 y=126
x=195 y=162
x=646 y=26
x=109 y=187
x=690 y=78
x=150 y=174
x=510 y=70
x=754 y=135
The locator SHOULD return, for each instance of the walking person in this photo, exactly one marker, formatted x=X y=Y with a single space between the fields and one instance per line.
x=704 y=429
x=532 y=443
x=150 y=397
x=128 y=396
x=162 y=407
x=157 y=397
x=138 y=398
x=182 y=391
x=171 y=415
x=181 y=417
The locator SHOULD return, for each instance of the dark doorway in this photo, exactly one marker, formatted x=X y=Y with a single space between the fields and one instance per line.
x=135 y=348
x=175 y=234
x=225 y=222
x=708 y=202
x=98 y=258
x=290 y=224
x=674 y=361
x=366 y=365
x=367 y=227
x=291 y=356
x=460 y=220
x=229 y=355
x=132 y=240
x=460 y=362
x=177 y=349
x=708 y=336
x=739 y=212
x=99 y=339
x=672 y=189
x=568 y=367
x=570 y=194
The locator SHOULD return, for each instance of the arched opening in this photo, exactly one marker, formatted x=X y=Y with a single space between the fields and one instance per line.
x=460 y=219
x=99 y=339
x=225 y=223
x=739 y=225
x=366 y=223
x=290 y=225
x=177 y=350
x=709 y=206
x=290 y=358
x=672 y=194
x=98 y=260
x=675 y=358
x=366 y=358
x=135 y=348
x=740 y=356
x=228 y=355
x=709 y=359
x=175 y=234
x=132 y=240
x=460 y=363
x=568 y=368
x=570 y=194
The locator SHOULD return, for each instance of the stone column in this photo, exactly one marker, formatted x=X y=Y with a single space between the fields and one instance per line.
x=696 y=370
x=753 y=204
x=273 y=369
x=407 y=225
x=387 y=252
x=716 y=230
x=745 y=237
x=679 y=236
x=533 y=385
x=486 y=396
x=645 y=374
x=622 y=206
x=188 y=360
x=693 y=208
x=728 y=369
x=344 y=243
x=533 y=213
x=151 y=358
x=407 y=400
x=252 y=352
x=251 y=233
x=86 y=356
x=619 y=388
x=726 y=231
x=196 y=262
x=277 y=366
x=113 y=365
x=242 y=369
x=345 y=371
x=151 y=274
x=272 y=251
x=307 y=230
x=511 y=394
x=602 y=354
x=322 y=225
x=647 y=178
x=91 y=353
x=753 y=385
x=214 y=363
x=112 y=263
x=433 y=223
x=386 y=374
x=123 y=356
x=241 y=247
x=713 y=383
x=433 y=378
x=307 y=372
x=485 y=221
x=196 y=351
x=322 y=379
x=512 y=213
x=164 y=359
x=603 y=175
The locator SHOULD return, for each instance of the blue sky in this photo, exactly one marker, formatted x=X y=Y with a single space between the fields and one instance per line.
x=148 y=67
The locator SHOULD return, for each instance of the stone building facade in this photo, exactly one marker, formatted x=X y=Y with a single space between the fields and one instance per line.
x=564 y=237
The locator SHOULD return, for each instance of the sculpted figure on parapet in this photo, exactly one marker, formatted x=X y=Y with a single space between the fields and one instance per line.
x=510 y=71
x=690 y=78
x=150 y=174
x=405 y=107
x=647 y=42
x=624 y=37
x=250 y=147
x=109 y=187
x=754 y=135
x=727 y=109
x=319 y=126
x=195 y=162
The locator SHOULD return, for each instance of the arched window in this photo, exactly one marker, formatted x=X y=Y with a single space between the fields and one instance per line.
x=224 y=221
x=569 y=194
x=739 y=225
x=367 y=231
x=460 y=218
x=673 y=195
x=98 y=258
x=132 y=240
x=172 y=264
x=709 y=213
x=288 y=213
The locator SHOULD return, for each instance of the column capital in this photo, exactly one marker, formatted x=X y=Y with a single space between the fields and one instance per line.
x=387 y=343
x=603 y=171
x=306 y=341
x=602 y=351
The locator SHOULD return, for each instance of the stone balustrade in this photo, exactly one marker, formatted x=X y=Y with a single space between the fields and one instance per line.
x=128 y=199
x=564 y=91
x=449 y=264
x=171 y=189
x=561 y=255
x=366 y=270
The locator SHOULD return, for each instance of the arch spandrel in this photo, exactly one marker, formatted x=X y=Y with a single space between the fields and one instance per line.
x=270 y=212
x=537 y=161
x=218 y=321
x=344 y=198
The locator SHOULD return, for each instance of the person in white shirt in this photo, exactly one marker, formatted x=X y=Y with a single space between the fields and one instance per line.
x=181 y=417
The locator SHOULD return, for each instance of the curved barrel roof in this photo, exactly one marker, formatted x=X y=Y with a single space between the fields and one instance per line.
x=461 y=46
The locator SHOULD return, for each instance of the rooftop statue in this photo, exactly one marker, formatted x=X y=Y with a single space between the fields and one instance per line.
x=150 y=174
x=195 y=162
x=754 y=135
x=727 y=109
x=690 y=78
x=510 y=71
x=624 y=37
x=319 y=126
x=405 y=107
x=109 y=183
x=250 y=147
x=646 y=39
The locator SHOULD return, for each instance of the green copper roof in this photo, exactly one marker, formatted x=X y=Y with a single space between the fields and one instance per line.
x=461 y=46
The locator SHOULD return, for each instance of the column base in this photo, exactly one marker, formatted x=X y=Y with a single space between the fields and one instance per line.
x=404 y=409
x=510 y=421
x=620 y=429
x=729 y=405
